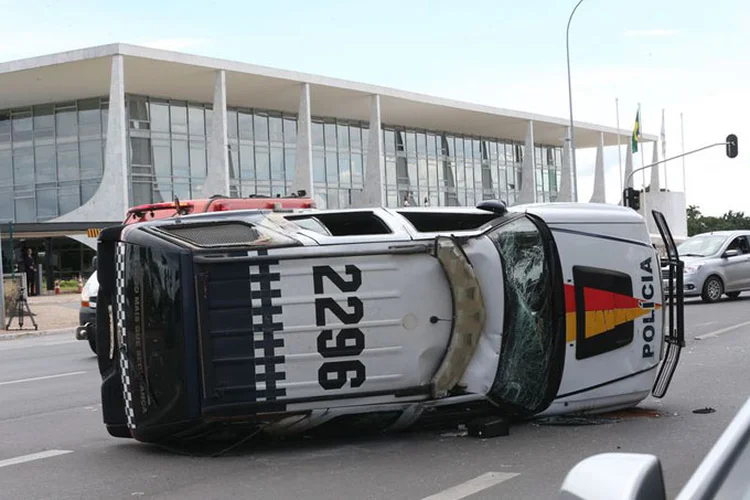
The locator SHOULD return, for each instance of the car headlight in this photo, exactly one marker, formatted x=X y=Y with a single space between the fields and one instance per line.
x=692 y=268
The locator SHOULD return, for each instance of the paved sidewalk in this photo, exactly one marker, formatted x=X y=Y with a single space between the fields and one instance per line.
x=53 y=314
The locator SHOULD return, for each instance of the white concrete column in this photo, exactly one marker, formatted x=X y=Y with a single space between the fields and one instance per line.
x=655 y=183
x=303 y=172
x=217 y=179
x=110 y=201
x=528 y=179
x=599 y=194
x=373 y=194
x=564 y=190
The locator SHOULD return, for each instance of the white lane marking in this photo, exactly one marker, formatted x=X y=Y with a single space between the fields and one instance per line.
x=716 y=333
x=706 y=324
x=34 y=379
x=22 y=343
x=33 y=456
x=479 y=483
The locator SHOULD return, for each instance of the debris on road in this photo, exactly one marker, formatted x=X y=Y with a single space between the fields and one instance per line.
x=704 y=411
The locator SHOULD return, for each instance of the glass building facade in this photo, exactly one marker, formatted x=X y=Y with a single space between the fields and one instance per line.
x=167 y=153
x=52 y=158
x=168 y=157
x=442 y=169
x=339 y=154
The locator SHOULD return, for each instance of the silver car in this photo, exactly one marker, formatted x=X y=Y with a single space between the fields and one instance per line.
x=716 y=264
x=723 y=473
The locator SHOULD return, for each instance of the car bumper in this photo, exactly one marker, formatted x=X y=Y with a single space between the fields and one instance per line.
x=690 y=286
x=87 y=323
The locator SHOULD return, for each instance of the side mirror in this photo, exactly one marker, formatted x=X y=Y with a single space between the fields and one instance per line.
x=731 y=253
x=93 y=263
x=615 y=476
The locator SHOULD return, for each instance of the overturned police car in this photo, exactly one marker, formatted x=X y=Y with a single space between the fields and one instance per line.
x=289 y=320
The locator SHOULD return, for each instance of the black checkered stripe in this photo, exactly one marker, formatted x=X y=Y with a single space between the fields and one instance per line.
x=266 y=320
x=127 y=394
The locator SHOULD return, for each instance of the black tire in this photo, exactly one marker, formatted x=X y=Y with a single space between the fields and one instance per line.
x=733 y=295
x=713 y=289
x=92 y=342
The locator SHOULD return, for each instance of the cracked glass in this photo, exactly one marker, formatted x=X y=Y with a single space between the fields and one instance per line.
x=524 y=371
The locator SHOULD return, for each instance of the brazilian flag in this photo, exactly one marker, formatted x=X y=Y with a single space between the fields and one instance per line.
x=636 y=131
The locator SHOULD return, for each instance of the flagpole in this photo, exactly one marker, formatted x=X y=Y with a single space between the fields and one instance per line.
x=643 y=164
x=619 y=149
x=682 y=139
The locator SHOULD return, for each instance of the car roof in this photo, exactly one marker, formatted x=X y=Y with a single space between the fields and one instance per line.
x=732 y=232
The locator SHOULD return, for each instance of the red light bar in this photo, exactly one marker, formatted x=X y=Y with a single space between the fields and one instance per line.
x=152 y=207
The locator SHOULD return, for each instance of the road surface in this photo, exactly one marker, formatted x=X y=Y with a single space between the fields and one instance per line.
x=53 y=445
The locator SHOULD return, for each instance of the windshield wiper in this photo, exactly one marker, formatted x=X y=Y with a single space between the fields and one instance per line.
x=693 y=255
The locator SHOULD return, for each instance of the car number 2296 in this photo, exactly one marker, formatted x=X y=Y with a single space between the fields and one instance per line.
x=349 y=341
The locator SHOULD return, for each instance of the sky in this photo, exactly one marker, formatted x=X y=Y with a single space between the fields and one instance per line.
x=683 y=56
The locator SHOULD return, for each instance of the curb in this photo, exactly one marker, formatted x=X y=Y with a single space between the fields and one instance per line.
x=12 y=335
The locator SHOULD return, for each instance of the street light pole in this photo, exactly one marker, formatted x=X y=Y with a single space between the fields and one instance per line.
x=683 y=155
x=570 y=102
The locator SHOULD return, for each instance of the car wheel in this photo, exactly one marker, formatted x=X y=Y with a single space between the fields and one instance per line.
x=92 y=342
x=733 y=295
x=713 y=289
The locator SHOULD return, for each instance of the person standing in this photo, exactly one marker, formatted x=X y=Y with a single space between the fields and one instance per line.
x=30 y=268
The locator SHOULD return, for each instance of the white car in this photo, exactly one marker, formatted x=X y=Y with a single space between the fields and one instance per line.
x=288 y=321
x=87 y=312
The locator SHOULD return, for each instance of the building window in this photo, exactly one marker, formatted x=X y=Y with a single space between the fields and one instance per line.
x=49 y=154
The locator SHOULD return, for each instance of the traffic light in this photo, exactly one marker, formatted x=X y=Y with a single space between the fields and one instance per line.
x=732 y=146
x=632 y=198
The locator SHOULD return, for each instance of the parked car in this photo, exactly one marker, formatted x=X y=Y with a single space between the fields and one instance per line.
x=723 y=473
x=716 y=264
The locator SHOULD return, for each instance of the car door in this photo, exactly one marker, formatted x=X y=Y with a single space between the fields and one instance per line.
x=737 y=267
x=743 y=266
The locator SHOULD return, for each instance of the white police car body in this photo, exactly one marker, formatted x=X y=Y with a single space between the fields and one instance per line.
x=292 y=320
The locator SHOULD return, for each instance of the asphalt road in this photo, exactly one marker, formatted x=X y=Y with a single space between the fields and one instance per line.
x=52 y=443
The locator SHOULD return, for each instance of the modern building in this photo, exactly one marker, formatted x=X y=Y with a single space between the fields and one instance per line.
x=87 y=133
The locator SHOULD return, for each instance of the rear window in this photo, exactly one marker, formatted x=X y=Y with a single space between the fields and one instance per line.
x=433 y=222
x=343 y=223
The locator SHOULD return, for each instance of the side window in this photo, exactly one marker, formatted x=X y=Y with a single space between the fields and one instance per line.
x=739 y=243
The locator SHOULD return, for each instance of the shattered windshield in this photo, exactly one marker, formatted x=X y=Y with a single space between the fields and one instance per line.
x=525 y=371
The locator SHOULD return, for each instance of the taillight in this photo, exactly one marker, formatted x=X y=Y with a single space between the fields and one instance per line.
x=85 y=303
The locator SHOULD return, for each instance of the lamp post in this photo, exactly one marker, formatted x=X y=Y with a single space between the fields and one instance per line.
x=570 y=102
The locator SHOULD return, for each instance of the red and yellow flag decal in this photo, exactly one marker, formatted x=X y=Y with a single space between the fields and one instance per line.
x=604 y=311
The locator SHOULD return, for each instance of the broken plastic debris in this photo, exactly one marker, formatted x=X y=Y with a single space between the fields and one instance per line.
x=703 y=411
x=458 y=433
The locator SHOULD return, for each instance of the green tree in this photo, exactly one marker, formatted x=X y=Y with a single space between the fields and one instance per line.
x=699 y=223
x=694 y=217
